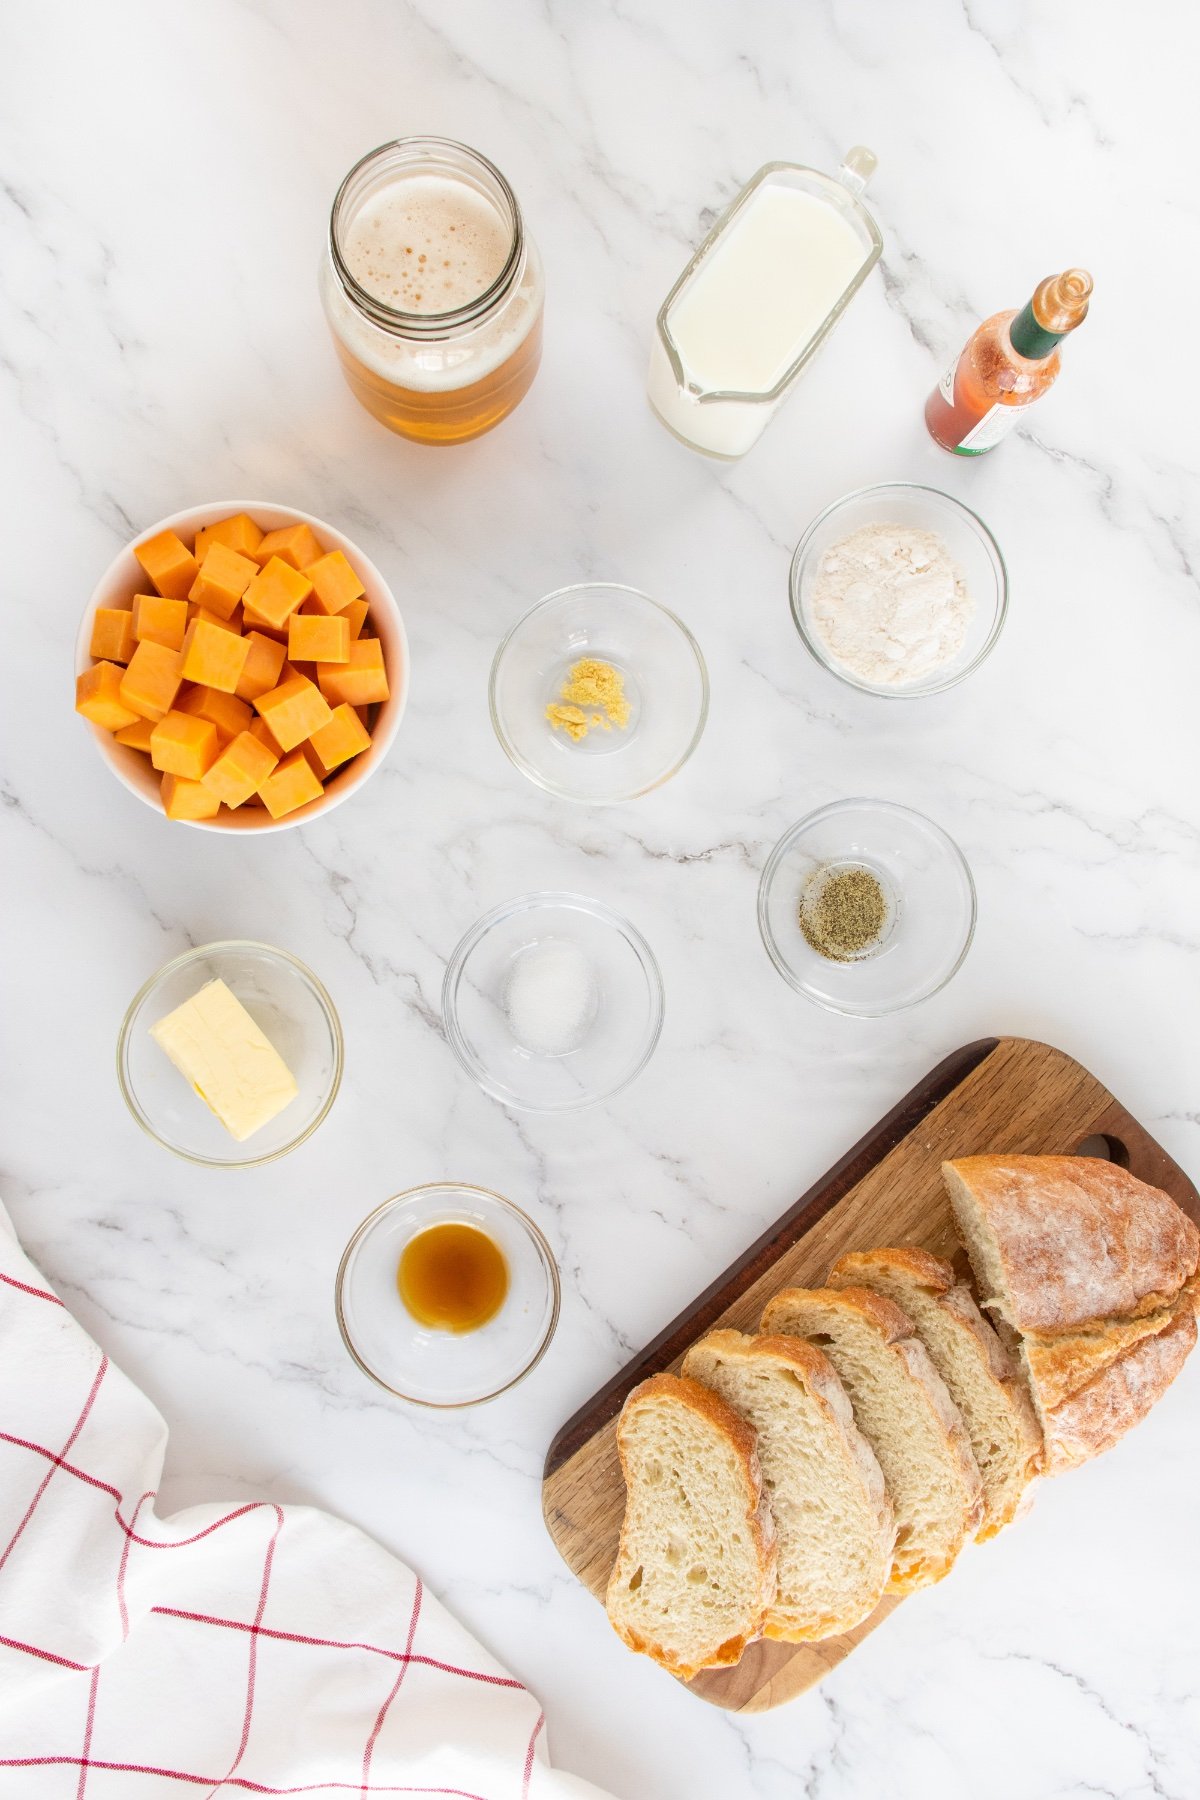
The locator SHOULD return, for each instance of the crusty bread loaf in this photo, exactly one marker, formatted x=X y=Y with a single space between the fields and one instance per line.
x=1091 y=1275
x=695 y=1570
x=832 y=1515
x=906 y=1415
x=982 y=1377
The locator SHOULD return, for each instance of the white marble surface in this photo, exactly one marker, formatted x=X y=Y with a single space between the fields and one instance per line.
x=166 y=173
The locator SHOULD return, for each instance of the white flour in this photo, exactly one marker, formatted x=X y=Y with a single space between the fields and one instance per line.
x=890 y=604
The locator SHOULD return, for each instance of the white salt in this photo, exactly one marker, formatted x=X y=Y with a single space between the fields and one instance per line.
x=551 y=997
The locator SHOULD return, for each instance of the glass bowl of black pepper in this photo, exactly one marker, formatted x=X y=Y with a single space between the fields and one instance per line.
x=866 y=907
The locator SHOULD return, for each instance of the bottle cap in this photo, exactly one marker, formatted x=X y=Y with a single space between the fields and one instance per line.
x=1060 y=302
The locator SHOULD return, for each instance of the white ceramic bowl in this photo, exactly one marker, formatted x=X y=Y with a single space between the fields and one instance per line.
x=124 y=578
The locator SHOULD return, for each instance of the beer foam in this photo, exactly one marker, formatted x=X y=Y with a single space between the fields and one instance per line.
x=425 y=244
x=465 y=243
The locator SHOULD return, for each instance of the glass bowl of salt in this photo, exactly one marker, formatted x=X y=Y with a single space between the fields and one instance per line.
x=552 y=1001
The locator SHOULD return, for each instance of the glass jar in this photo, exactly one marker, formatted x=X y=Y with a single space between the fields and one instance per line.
x=433 y=290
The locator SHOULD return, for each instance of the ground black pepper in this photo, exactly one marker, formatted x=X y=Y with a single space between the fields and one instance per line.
x=843 y=910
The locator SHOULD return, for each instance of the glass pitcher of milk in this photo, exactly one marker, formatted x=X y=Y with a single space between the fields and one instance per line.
x=758 y=299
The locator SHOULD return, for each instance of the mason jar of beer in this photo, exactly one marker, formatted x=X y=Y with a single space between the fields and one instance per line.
x=433 y=290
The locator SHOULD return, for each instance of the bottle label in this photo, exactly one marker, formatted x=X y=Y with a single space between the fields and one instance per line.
x=995 y=424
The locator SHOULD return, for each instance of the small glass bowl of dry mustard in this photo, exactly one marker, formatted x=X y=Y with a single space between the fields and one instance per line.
x=599 y=693
x=866 y=907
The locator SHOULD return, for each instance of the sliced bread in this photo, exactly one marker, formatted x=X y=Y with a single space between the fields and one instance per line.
x=695 y=1569
x=831 y=1512
x=982 y=1378
x=1091 y=1276
x=906 y=1415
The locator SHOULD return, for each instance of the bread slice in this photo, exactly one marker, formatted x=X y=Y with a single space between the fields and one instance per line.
x=906 y=1415
x=982 y=1377
x=695 y=1569
x=1082 y=1265
x=832 y=1514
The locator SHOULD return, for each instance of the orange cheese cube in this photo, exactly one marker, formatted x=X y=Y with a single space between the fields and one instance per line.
x=361 y=679
x=313 y=638
x=152 y=680
x=223 y=579
x=293 y=710
x=98 y=697
x=183 y=745
x=335 y=584
x=159 y=621
x=137 y=735
x=263 y=665
x=184 y=799
x=240 y=533
x=262 y=731
x=355 y=616
x=169 y=564
x=252 y=621
x=296 y=545
x=290 y=784
x=333 y=744
x=275 y=593
x=112 y=635
x=228 y=714
x=213 y=656
x=232 y=623
x=240 y=769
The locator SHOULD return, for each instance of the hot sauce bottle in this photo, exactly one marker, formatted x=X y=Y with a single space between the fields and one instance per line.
x=1011 y=361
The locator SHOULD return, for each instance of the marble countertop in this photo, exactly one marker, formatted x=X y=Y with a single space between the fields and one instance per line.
x=165 y=175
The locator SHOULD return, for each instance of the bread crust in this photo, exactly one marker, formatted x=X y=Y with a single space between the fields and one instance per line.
x=1080 y=1241
x=1104 y=1409
x=898 y=1332
x=679 y=1390
x=824 y=1387
x=957 y=1303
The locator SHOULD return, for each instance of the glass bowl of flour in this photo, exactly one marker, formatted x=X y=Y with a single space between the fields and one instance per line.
x=899 y=590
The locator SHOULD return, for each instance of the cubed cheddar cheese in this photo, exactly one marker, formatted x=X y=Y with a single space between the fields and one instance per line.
x=152 y=680
x=290 y=784
x=229 y=714
x=240 y=770
x=296 y=545
x=275 y=593
x=182 y=744
x=355 y=616
x=224 y=577
x=361 y=680
x=253 y=621
x=232 y=623
x=335 y=584
x=112 y=635
x=214 y=657
x=169 y=564
x=314 y=638
x=293 y=710
x=184 y=799
x=98 y=697
x=335 y=743
x=263 y=665
x=137 y=736
x=159 y=621
x=240 y=533
x=262 y=731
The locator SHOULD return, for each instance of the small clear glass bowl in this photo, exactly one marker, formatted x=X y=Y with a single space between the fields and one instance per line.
x=971 y=545
x=433 y=1367
x=282 y=997
x=666 y=684
x=930 y=900
x=623 y=1026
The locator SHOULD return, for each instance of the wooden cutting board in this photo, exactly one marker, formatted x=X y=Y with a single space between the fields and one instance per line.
x=998 y=1095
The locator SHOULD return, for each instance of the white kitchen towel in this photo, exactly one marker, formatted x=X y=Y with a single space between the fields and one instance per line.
x=253 y=1649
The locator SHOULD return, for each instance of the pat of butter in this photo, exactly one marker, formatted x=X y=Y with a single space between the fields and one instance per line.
x=235 y=1069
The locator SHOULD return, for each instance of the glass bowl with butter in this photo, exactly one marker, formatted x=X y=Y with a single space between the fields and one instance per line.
x=231 y=1055
x=599 y=693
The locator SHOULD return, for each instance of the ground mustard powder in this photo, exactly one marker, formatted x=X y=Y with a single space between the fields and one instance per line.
x=593 y=694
